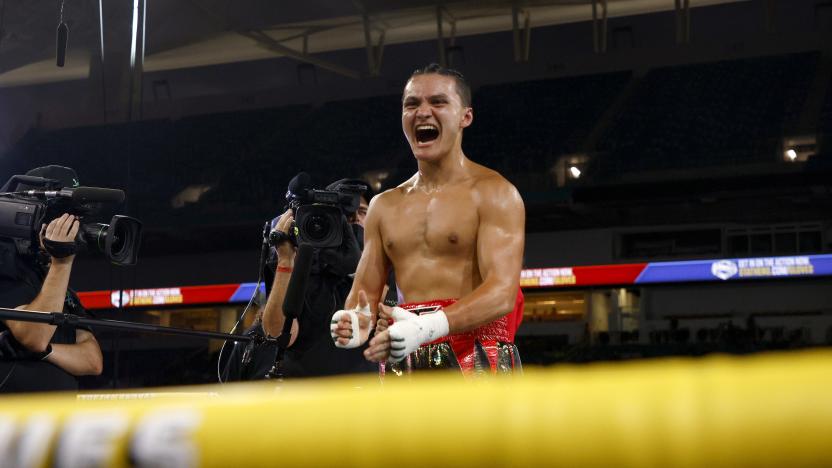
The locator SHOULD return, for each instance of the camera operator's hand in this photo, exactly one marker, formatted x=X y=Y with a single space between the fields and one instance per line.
x=58 y=238
x=285 y=250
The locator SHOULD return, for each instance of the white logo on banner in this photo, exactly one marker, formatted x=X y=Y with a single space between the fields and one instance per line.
x=116 y=296
x=724 y=269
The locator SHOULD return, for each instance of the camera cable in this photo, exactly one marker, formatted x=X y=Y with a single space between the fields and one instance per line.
x=264 y=250
x=6 y=378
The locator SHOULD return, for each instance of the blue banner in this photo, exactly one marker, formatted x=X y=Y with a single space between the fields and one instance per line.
x=244 y=292
x=736 y=269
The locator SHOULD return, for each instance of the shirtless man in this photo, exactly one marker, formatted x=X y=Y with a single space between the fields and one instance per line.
x=454 y=235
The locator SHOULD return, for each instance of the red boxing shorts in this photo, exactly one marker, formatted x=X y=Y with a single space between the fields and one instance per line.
x=488 y=349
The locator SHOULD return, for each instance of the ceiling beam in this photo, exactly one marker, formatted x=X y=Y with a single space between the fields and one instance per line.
x=264 y=40
x=270 y=43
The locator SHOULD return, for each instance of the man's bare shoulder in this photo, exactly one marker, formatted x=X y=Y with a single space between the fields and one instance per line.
x=407 y=185
x=491 y=185
x=390 y=196
x=497 y=198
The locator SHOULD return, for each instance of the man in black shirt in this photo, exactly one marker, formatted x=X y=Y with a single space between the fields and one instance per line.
x=36 y=356
x=311 y=353
x=251 y=360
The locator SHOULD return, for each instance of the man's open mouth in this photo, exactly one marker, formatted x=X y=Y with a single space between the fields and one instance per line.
x=426 y=133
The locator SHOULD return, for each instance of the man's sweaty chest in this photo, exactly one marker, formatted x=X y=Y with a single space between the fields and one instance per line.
x=437 y=225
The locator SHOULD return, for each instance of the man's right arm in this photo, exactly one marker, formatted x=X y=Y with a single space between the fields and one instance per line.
x=273 y=317
x=80 y=358
x=370 y=277
x=36 y=336
x=371 y=274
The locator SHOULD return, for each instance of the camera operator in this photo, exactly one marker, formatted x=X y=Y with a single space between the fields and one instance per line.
x=35 y=356
x=311 y=351
x=253 y=360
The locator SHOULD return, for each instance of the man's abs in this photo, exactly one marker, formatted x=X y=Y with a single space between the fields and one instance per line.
x=421 y=279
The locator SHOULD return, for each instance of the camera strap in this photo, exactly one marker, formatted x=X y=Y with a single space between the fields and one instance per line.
x=59 y=249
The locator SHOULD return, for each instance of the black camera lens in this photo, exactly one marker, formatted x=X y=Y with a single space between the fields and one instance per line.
x=95 y=234
x=119 y=240
x=122 y=247
x=317 y=227
x=122 y=237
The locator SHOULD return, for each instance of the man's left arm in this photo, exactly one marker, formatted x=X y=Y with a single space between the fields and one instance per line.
x=500 y=242
x=82 y=358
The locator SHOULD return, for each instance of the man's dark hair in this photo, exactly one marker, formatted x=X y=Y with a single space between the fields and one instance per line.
x=463 y=89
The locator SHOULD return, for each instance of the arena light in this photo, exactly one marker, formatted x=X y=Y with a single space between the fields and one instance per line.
x=799 y=148
x=190 y=194
x=570 y=168
x=134 y=35
x=376 y=178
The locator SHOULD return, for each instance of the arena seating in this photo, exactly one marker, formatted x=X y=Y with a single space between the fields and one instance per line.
x=524 y=127
x=711 y=114
x=723 y=113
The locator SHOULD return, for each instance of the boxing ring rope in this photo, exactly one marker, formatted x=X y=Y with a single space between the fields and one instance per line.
x=762 y=410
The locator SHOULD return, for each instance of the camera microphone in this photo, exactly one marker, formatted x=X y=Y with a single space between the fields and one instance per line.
x=299 y=184
x=293 y=303
x=80 y=195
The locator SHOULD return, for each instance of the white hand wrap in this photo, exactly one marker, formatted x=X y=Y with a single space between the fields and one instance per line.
x=355 y=338
x=411 y=331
